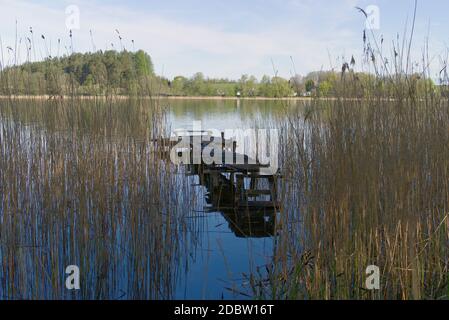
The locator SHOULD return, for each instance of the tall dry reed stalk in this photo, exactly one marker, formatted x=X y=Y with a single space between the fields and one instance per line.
x=366 y=182
x=81 y=184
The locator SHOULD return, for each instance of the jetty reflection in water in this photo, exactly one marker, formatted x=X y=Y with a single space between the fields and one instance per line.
x=82 y=190
x=245 y=221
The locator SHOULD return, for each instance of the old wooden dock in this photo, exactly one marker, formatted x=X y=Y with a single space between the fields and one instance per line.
x=242 y=191
x=246 y=184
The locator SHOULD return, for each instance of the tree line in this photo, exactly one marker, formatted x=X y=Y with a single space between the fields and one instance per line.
x=132 y=73
x=99 y=73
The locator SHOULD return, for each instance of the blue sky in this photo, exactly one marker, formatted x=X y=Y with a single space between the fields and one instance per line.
x=229 y=38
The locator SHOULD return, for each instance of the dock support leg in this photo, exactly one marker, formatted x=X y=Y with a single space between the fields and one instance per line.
x=273 y=189
x=239 y=190
x=253 y=182
x=232 y=184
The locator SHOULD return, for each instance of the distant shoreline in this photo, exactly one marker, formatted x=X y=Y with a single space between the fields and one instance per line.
x=82 y=97
x=186 y=98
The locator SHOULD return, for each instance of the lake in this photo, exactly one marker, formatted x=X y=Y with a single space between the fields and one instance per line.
x=90 y=187
x=224 y=256
x=210 y=253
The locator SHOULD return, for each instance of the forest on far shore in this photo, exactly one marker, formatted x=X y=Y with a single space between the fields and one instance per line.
x=132 y=73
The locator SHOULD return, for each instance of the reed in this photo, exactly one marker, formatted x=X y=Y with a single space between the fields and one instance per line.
x=365 y=183
x=81 y=184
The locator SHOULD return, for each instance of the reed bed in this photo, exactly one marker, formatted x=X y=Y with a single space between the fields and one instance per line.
x=366 y=182
x=80 y=184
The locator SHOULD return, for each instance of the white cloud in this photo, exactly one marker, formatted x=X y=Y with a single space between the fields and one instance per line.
x=184 y=48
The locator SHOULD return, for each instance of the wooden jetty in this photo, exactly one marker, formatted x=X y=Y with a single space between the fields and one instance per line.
x=245 y=195
x=247 y=181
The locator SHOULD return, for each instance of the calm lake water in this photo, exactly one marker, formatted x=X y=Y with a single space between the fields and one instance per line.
x=216 y=250
x=218 y=266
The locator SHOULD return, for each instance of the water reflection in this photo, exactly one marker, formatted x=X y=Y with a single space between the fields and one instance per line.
x=80 y=185
x=243 y=221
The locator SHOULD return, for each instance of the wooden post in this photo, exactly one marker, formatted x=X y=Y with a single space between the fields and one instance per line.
x=223 y=142
x=191 y=149
x=231 y=180
x=253 y=182
x=272 y=184
x=257 y=149
x=239 y=190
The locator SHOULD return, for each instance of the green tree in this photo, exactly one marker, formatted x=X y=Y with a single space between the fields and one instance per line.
x=143 y=63
x=178 y=85
x=324 y=88
x=310 y=85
